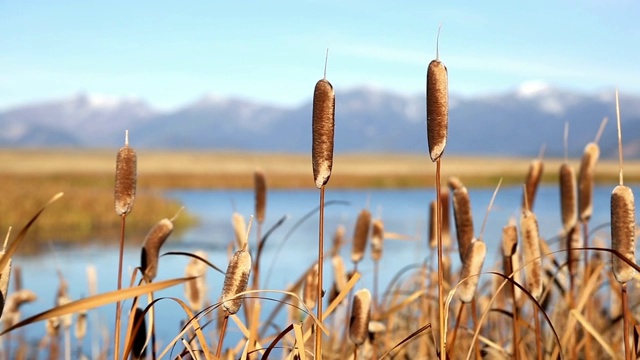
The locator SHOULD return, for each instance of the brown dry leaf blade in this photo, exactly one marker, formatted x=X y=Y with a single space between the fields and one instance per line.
x=11 y=249
x=97 y=301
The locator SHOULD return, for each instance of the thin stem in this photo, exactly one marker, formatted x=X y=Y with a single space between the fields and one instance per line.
x=116 y=346
x=443 y=331
x=586 y=275
x=455 y=331
x=320 y=272
x=625 y=308
x=536 y=317
x=515 y=313
x=221 y=338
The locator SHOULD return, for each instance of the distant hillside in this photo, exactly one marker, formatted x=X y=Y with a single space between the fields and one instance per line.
x=367 y=120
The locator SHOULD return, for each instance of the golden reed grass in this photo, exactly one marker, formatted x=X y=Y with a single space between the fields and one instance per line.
x=260 y=183
x=471 y=267
x=151 y=248
x=361 y=235
x=126 y=178
x=463 y=219
x=235 y=281
x=360 y=316
x=532 y=182
x=323 y=131
x=531 y=252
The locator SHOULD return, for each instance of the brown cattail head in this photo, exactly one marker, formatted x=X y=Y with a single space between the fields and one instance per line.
x=324 y=101
x=310 y=290
x=437 y=108
x=138 y=348
x=377 y=239
x=509 y=239
x=623 y=232
x=5 y=276
x=471 y=266
x=454 y=183
x=126 y=178
x=239 y=229
x=361 y=235
x=80 y=330
x=151 y=248
x=586 y=180
x=235 y=281
x=195 y=289
x=339 y=272
x=463 y=218
x=260 y=182
x=568 y=200
x=574 y=241
x=531 y=252
x=338 y=240
x=532 y=181
x=15 y=300
x=360 y=315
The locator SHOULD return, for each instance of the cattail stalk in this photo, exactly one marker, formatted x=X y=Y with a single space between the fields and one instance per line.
x=124 y=196
x=323 y=122
x=437 y=128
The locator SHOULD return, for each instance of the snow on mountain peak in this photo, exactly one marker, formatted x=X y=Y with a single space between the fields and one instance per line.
x=532 y=88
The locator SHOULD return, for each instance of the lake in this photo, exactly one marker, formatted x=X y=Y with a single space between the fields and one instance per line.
x=403 y=211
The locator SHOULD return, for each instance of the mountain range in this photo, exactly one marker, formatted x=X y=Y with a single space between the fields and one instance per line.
x=512 y=123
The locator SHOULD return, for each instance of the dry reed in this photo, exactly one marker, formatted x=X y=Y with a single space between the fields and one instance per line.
x=532 y=182
x=239 y=230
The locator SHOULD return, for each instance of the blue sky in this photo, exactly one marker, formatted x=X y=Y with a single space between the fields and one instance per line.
x=170 y=54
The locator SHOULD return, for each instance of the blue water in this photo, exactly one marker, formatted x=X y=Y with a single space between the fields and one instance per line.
x=403 y=211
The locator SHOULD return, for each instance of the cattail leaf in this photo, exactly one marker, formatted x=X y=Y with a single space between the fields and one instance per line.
x=97 y=301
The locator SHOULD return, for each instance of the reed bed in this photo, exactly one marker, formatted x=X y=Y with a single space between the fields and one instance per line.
x=536 y=302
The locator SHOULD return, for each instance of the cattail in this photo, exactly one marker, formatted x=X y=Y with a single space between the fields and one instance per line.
x=586 y=181
x=151 y=248
x=623 y=232
x=360 y=315
x=532 y=182
x=471 y=266
x=260 y=182
x=235 y=281
x=531 y=251
x=377 y=239
x=195 y=289
x=138 y=348
x=338 y=240
x=92 y=280
x=568 y=206
x=433 y=227
x=361 y=235
x=339 y=272
x=574 y=241
x=310 y=290
x=324 y=102
x=509 y=239
x=454 y=183
x=239 y=229
x=126 y=178
x=463 y=218
x=437 y=108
